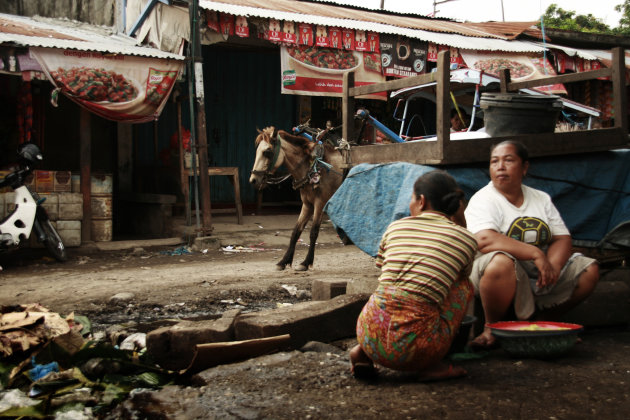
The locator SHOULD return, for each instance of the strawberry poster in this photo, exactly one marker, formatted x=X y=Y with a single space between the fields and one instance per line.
x=120 y=88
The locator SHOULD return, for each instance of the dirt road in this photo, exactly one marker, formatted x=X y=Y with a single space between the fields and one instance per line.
x=592 y=381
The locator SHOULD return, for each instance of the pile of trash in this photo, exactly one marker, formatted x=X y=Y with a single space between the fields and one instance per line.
x=50 y=364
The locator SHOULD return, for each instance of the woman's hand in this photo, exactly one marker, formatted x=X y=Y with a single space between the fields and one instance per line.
x=547 y=274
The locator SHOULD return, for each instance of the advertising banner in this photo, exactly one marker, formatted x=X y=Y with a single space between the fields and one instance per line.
x=318 y=71
x=521 y=68
x=402 y=57
x=117 y=87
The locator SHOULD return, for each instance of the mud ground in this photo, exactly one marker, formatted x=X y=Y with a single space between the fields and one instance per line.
x=591 y=381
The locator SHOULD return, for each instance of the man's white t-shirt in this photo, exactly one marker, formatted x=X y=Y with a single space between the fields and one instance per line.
x=535 y=222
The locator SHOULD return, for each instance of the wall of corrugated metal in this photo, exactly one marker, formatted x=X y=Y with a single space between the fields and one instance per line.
x=242 y=93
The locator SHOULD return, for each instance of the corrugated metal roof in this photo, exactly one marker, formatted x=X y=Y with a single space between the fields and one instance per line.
x=509 y=30
x=55 y=33
x=441 y=32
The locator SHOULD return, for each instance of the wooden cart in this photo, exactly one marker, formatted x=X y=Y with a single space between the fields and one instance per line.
x=443 y=151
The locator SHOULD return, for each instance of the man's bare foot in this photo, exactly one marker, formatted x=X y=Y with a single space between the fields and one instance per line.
x=441 y=372
x=362 y=365
x=485 y=340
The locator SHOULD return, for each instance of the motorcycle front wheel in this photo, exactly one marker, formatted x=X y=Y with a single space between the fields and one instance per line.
x=53 y=241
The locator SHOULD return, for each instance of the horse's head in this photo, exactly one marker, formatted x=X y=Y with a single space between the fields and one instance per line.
x=269 y=157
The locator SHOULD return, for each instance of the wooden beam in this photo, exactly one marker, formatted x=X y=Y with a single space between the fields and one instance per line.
x=347 y=105
x=443 y=102
x=85 y=160
x=565 y=78
x=478 y=150
x=620 y=97
x=393 y=84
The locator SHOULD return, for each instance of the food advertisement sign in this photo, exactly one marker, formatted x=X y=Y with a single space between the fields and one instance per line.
x=318 y=71
x=117 y=87
x=521 y=67
x=402 y=57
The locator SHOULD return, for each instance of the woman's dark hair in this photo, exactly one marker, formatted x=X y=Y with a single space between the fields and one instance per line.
x=521 y=150
x=441 y=190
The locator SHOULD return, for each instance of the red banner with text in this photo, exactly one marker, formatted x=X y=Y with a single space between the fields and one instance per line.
x=318 y=71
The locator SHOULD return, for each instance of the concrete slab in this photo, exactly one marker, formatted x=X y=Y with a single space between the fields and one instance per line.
x=173 y=347
x=326 y=289
x=306 y=321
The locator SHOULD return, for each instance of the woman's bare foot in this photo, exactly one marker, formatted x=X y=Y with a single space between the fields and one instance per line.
x=485 y=340
x=362 y=365
x=441 y=372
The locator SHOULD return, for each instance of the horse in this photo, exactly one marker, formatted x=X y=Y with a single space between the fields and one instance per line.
x=316 y=172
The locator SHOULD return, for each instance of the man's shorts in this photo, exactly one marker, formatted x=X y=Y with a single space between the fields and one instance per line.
x=528 y=296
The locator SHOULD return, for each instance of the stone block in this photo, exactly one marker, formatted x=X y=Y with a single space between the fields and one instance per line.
x=326 y=289
x=174 y=347
x=608 y=305
x=362 y=285
x=51 y=205
x=70 y=232
x=324 y=321
x=70 y=206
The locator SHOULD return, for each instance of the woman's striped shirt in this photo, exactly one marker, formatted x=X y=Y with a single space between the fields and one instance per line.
x=425 y=254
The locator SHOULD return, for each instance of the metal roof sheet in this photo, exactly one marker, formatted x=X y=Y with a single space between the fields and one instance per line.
x=453 y=34
x=55 y=33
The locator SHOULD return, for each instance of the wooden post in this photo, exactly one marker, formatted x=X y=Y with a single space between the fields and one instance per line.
x=183 y=172
x=347 y=104
x=85 y=140
x=620 y=98
x=443 y=102
x=125 y=157
x=505 y=79
x=204 y=179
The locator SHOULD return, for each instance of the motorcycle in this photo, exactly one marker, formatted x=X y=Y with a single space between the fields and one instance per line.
x=28 y=215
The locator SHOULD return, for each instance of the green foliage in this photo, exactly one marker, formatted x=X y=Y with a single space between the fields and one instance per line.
x=558 y=18
x=624 y=22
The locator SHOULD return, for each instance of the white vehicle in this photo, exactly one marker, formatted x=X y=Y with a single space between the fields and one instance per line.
x=28 y=214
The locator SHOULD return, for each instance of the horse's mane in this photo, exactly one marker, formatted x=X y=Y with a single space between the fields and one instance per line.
x=298 y=141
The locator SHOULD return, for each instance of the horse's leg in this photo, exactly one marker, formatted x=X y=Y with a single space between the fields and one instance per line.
x=317 y=221
x=305 y=215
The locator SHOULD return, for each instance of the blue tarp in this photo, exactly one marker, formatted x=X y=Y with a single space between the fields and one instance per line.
x=591 y=191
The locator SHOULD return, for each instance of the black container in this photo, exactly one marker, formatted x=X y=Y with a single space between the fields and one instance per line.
x=508 y=114
x=463 y=334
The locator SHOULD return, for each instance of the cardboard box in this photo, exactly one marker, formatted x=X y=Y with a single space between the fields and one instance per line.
x=62 y=181
x=3 y=174
x=44 y=181
x=30 y=181
x=9 y=203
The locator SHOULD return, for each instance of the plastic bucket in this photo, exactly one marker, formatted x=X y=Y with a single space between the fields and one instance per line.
x=507 y=114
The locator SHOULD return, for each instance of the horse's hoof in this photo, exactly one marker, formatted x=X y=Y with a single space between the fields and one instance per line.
x=280 y=267
x=301 y=267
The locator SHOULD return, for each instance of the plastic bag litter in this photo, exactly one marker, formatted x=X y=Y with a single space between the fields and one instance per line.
x=15 y=398
x=136 y=341
x=182 y=250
